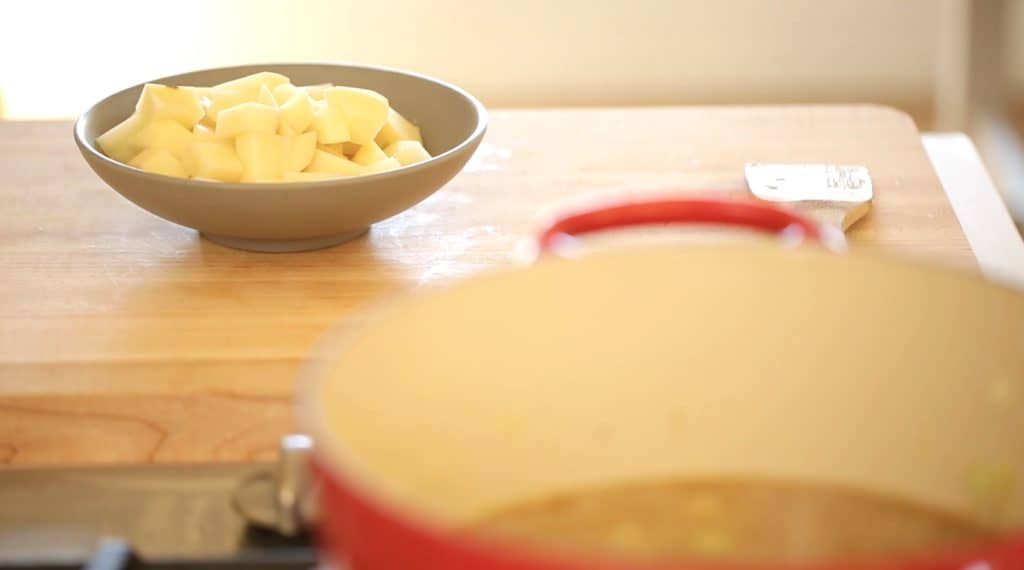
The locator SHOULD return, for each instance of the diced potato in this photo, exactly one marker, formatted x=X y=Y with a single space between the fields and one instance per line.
x=326 y=162
x=308 y=176
x=165 y=134
x=337 y=149
x=369 y=153
x=366 y=111
x=344 y=150
x=119 y=142
x=331 y=125
x=205 y=134
x=208 y=122
x=266 y=97
x=159 y=161
x=262 y=128
x=386 y=164
x=261 y=155
x=397 y=128
x=317 y=91
x=214 y=160
x=284 y=92
x=298 y=112
x=247 y=118
x=300 y=151
x=407 y=152
x=171 y=102
x=252 y=83
x=221 y=99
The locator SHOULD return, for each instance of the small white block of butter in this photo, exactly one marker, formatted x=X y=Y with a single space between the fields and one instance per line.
x=835 y=194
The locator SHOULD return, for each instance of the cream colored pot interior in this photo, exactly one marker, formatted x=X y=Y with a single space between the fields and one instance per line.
x=663 y=362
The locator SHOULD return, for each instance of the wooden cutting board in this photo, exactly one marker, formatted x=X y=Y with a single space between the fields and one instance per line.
x=125 y=338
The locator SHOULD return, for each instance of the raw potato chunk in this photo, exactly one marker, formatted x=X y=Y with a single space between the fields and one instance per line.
x=284 y=92
x=252 y=83
x=386 y=164
x=221 y=99
x=247 y=118
x=214 y=160
x=300 y=151
x=208 y=122
x=397 y=128
x=262 y=128
x=261 y=155
x=366 y=111
x=298 y=112
x=407 y=152
x=205 y=134
x=344 y=150
x=369 y=153
x=326 y=162
x=317 y=91
x=337 y=149
x=331 y=125
x=159 y=161
x=165 y=134
x=266 y=97
x=170 y=102
x=119 y=142
x=309 y=176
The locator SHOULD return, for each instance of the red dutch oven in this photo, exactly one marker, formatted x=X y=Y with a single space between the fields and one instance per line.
x=665 y=362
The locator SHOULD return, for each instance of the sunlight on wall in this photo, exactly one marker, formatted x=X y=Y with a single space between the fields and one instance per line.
x=529 y=52
x=95 y=48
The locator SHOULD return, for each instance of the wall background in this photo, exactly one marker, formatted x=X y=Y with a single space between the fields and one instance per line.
x=58 y=57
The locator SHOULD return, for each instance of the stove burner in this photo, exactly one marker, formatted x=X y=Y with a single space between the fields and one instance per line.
x=116 y=554
x=166 y=517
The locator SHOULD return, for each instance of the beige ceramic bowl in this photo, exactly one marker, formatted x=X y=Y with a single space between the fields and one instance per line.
x=298 y=215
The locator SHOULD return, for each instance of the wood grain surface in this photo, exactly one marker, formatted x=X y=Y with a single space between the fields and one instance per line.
x=125 y=338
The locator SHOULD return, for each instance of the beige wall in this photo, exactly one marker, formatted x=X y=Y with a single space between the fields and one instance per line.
x=57 y=57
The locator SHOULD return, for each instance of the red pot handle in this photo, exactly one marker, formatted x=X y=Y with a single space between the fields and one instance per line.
x=735 y=212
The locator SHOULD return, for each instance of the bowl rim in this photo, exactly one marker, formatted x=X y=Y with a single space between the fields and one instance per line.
x=86 y=145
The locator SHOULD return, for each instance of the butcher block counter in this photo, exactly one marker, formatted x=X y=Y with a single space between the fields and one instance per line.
x=128 y=339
